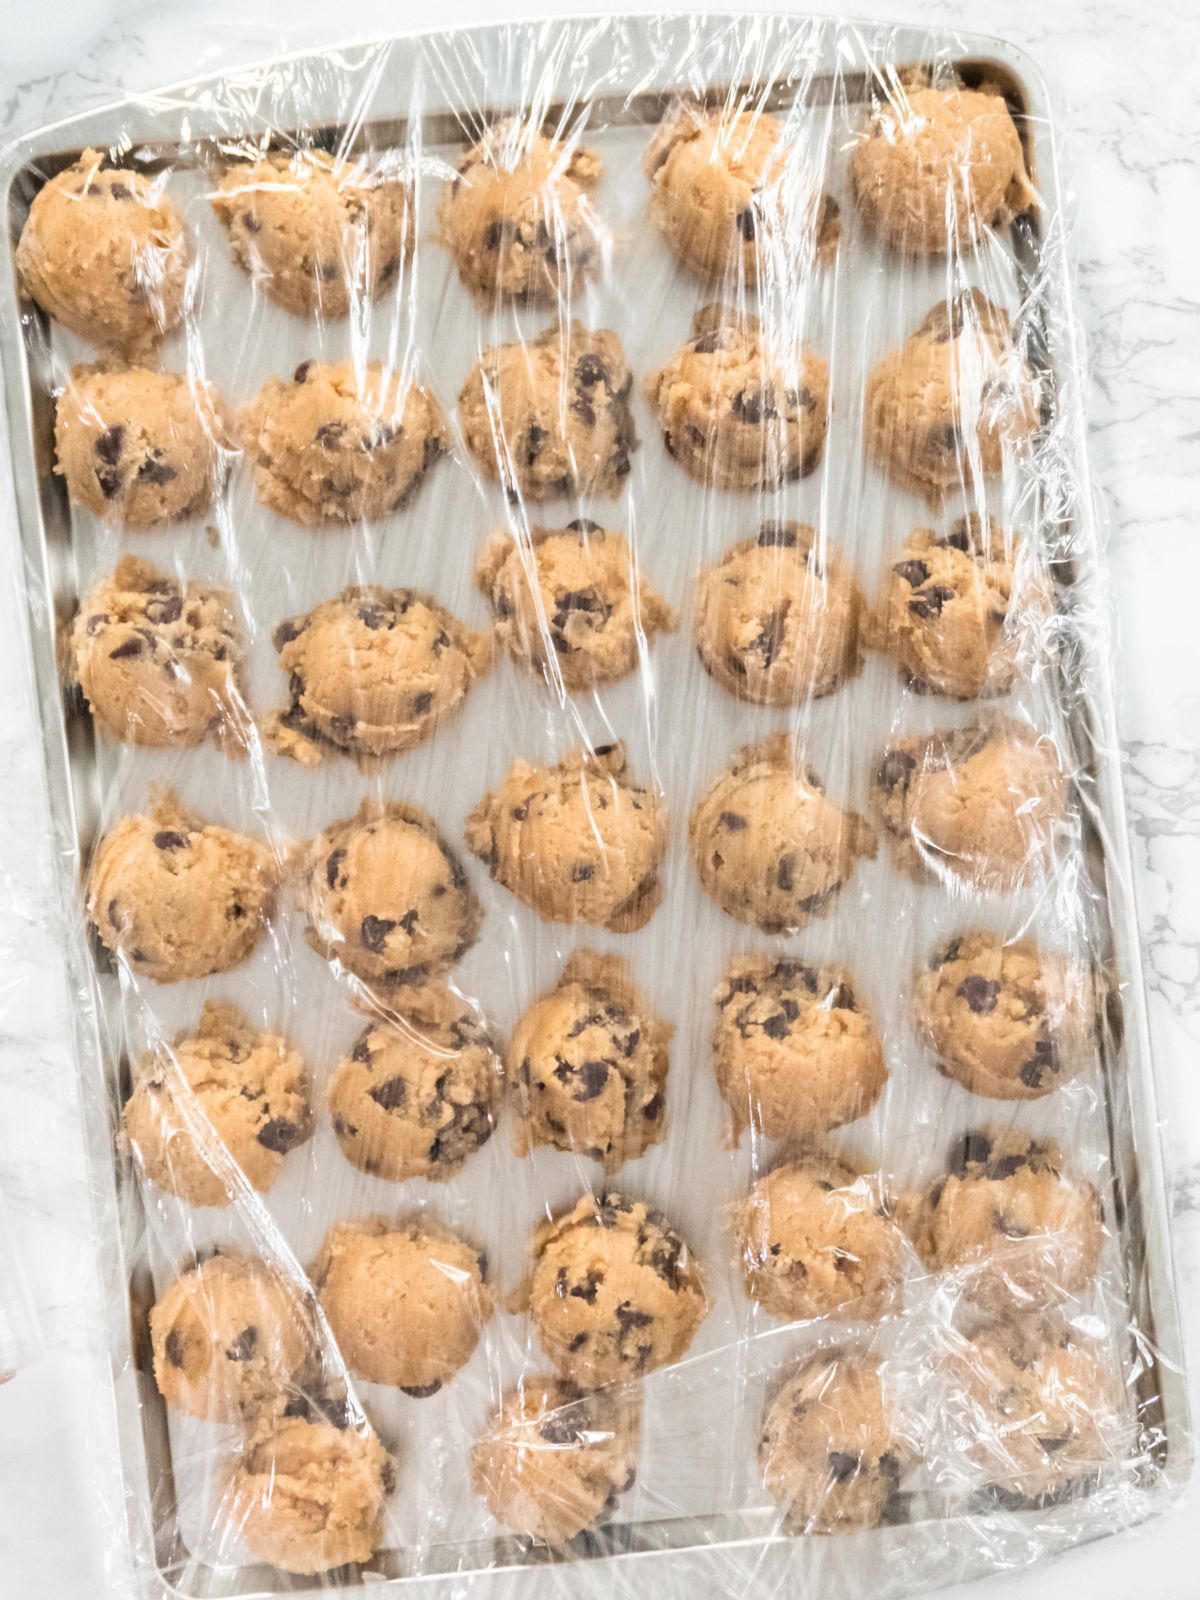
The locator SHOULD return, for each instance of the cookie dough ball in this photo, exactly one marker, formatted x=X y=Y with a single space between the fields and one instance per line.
x=372 y=672
x=175 y=897
x=936 y=168
x=406 y=1300
x=229 y=1336
x=948 y=614
x=570 y=602
x=979 y=805
x=553 y=1461
x=587 y=1065
x=339 y=443
x=770 y=849
x=419 y=1092
x=550 y=416
x=614 y=1292
x=737 y=414
x=816 y=1239
x=953 y=403
x=222 y=1095
x=140 y=448
x=517 y=216
x=1012 y=1020
x=778 y=617
x=308 y=1493
x=387 y=897
x=104 y=252
x=1038 y=1413
x=1018 y=1232
x=734 y=200
x=831 y=1452
x=317 y=235
x=579 y=841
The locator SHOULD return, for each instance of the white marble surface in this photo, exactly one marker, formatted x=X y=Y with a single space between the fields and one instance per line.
x=1122 y=76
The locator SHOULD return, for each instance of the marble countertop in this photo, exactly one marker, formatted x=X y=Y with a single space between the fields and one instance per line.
x=1133 y=130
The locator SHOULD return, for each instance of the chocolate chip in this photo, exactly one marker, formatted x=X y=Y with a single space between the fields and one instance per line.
x=890 y=1466
x=628 y=1316
x=594 y=1076
x=913 y=572
x=279 y=1135
x=752 y=405
x=391 y=1094
x=947 y=438
x=746 y=223
x=948 y=954
x=581 y=872
x=770 y=636
x=776 y=1026
x=155 y=471
x=980 y=993
x=302 y=371
x=493 y=234
x=421 y=1391
x=578 y=1342
x=959 y=538
x=896 y=770
x=844 y=1466
x=328 y=434
x=972 y=1149
x=588 y=1290
x=244 y=1346
x=928 y=603
x=583 y=525
x=785 y=872
x=706 y=343
x=333 y=866
x=1041 y=1063
x=374 y=931
x=559 y=1429
x=774 y=535
x=167 y=840
x=161 y=612
x=131 y=647
x=590 y=370
x=174 y=1347
x=108 y=444
x=732 y=821
x=1055 y=1443
x=286 y=632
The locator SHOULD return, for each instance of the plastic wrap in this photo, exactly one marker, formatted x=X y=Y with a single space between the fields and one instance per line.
x=579 y=745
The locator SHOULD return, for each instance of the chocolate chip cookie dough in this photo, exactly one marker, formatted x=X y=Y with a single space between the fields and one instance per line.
x=1017 y=1230
x=372 y=672
x=175 y=897
x=230 y=1336
x=778 y=617
x=387 y=897
x=737 y=413
x=553 y=1461
x=570 y=603
x=104 y=252
x=338 y=443
x=141 y=448
x=222 y=1096
x=587 y=1065
x=978 y=805
x=770 y=849
x=419 y=1092
x=1009 y=1019
x=308 y=1492
x=936 y=168
x=614 y=1292
x=406 y=1299
x=815 y=1238
x=795 y=1053
x=518 y=218
x=736 y=201
x=158 y=660
x=953 y=403
x=579 y=840
x=550 y=416
x=832 y=1453
x=316 y=234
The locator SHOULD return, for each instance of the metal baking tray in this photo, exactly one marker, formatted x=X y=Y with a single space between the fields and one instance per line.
x=429 y=92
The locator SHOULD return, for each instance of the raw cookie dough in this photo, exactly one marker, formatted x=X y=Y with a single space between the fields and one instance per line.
x=794 y=1052
x=158 y=660
x=778 y=617
x=337 y=443
x=614 y=1292
x=104 y=252
x=550 y=416
x=578 y=841
x=419 y=1092
x=936 y=168
x=735 y=202
x=979 y=805
x=953 y=403
x=307 y=1493
x=737 y=414
x=816 y=1238
x=1009 y=1019
x=316 y=235
x=137 y=447
x=517 y=216
x=831 y=1454
x=371 y=673
x=176 y=897
x=230 y=1336
x=948 y=614
x=587 y=1065
x=770 y=849
x=553 y=1461
x=1017 y=1231
x=221 y=1092
x=406 y=1299
x=570 y=603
